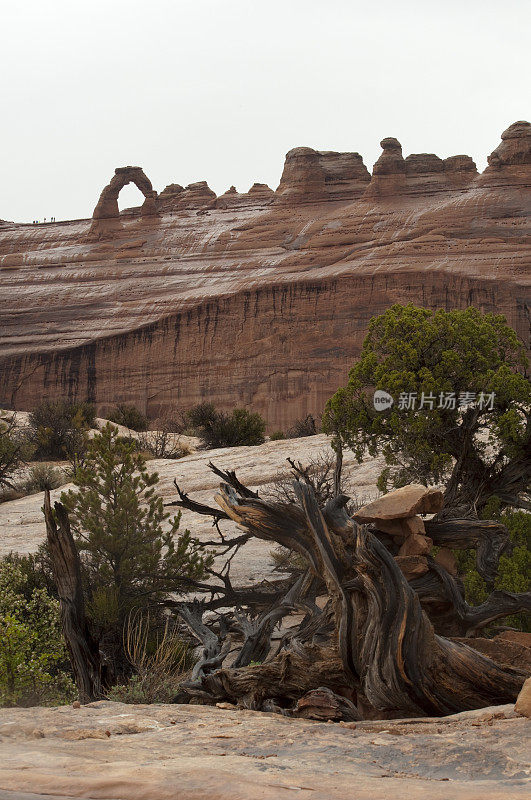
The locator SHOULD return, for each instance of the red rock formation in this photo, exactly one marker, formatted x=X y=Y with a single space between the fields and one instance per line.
x=515 y=147
x=313 y=175
x=419 y=173
x=346 y=176
x=195 y=195
x=258 y=195
x=303 y=178
x=460 y=170
x=509 y=162
x=168 y=198
x=389 y=172
x=425 y=173
x=245 y=301
x=261 y=190
x=107 y=207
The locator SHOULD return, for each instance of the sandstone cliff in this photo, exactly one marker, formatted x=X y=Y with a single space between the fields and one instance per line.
x=259 y=298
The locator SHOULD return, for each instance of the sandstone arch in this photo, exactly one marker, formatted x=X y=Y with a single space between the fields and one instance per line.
x=107 y=206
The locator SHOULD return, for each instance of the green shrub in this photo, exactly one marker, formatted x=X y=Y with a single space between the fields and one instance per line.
x=36 y=570
x=163 y=441
x=288 y=561
x=218 y=429
x=129 y=417
x=58 y=428
x=137 y=690
x=276 y=436
x=129 y=561
x=33 y=662
x=200 y=416
x=43 y=476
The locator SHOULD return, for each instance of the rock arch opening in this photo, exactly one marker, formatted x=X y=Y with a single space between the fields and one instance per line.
x=107 y=206
x=130 y=197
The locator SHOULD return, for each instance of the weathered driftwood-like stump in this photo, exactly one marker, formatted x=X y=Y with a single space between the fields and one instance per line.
x=82 y=649
x=372 y=643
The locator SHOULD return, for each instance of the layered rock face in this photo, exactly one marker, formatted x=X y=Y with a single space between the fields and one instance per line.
x=313 y=175
x=260 y=298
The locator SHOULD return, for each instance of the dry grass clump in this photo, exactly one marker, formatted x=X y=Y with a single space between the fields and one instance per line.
x=160 y=663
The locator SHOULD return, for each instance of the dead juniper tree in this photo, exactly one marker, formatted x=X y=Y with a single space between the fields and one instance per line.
x=367 y=642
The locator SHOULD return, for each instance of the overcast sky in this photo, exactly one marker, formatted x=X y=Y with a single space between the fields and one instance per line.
x=220 y=90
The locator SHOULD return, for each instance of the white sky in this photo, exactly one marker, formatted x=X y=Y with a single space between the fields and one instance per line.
x=220 y=90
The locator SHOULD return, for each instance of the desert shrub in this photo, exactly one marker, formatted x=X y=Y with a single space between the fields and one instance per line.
x=35 y=569
x=58 y=429
x=200 y=416
x=129 y=562
x=33 y=661
x=276 y=436
x=43 y=476
x=163 y=441
x=129 y=417
x=218 y=429
x=7 y=494
x=138 y=690
x=171 y=420
x=160 y=662
x=288 y=561
x=15 y=449
x=302 y=427
x=318 y=472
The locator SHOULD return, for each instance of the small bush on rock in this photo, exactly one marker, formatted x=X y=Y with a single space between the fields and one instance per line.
x=514 y=567
x=163 y=441
x=160 y=663
x=218 y=429
x=129 y=417
x=302 y=427
x=43 y=476
x=58 y=429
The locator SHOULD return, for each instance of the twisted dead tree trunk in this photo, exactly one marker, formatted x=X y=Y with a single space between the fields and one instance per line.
x=490 y=539
x=372 y=642
x=442 y=595
x=82 y=649
x=474 y=481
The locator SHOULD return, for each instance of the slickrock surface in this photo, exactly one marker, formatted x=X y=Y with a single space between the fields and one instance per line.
x=258 y=298
x=112 y=751
x=22 y=521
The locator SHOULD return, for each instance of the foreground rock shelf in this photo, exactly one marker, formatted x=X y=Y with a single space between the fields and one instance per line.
x=112 y=751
